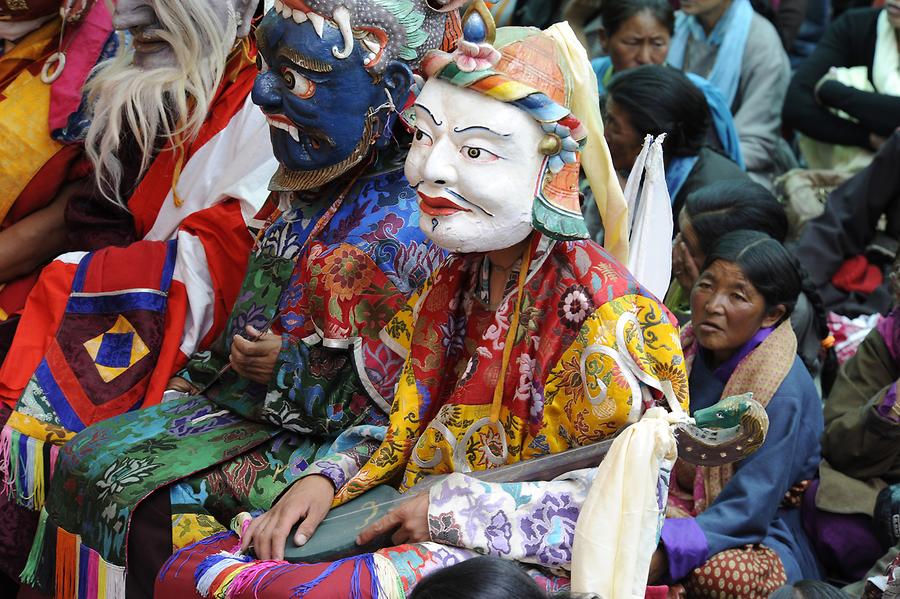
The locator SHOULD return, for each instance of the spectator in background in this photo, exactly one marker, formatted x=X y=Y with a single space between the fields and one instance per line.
x=848 y=512
x=635 y=33
x=638 y=32
x=853 y=70
x=656 y=99
x=741 y=54
x=731 y=529
x=786 y=15
x=842 y=249
x=718 y=209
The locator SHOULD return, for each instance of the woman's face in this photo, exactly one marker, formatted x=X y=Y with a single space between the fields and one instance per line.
x=727 y=310
x=623 y=139
x=640 y=40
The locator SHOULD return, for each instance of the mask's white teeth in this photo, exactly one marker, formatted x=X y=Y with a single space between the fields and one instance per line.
x=279 y=124
x=318 y=22
x=286 y=11
x=372 y=45
x=341 y=16
x=299 y=16
x=294 y=133
x=279 y=6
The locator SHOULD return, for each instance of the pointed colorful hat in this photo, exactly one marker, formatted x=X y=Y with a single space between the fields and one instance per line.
x=547 y=74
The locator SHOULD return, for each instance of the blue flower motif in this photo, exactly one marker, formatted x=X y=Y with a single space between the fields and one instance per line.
x=550 y=530
x=498 y=534
x=567 y=150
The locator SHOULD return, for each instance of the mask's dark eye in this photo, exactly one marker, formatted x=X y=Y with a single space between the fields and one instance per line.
x=435 y=5
x=474 y=153
x=419 y=136
x=289 y=79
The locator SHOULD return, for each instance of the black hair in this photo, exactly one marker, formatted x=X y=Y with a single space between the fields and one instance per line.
x=725 y=206
x=661 y=99
x=614 y=13
x=765 y=262
x=479 y=578
x=809 y=589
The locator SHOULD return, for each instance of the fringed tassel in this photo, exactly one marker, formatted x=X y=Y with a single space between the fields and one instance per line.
x=113 y=581
x=251 y=575
x=66 y=564
x=74 y=570
x=355 y=583
x=29 y=574
x=183 y=555
x=211 y=576
x=365 y=560
x=6 y=480
x=23 y=467
x=386 y=584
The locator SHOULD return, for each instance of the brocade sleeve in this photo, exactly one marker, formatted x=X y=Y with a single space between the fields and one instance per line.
x=531 y=522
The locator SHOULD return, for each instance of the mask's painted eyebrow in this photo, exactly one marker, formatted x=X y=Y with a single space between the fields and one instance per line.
x=262 y=45
x=305 y=62
x=489 y=130
x=428 y=112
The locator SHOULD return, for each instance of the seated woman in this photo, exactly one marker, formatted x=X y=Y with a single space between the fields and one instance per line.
x=849 y=511
x=726 y=532
x=638 y=32
x=863 y=39
x=741 y=54
x=654 y=99
x=529 y=340
x=723 y=207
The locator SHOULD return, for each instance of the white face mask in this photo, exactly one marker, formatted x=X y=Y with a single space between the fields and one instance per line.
x=15 y=30
x=475 y=165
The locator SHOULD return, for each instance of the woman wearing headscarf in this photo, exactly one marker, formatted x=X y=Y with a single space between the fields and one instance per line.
x=741 y=54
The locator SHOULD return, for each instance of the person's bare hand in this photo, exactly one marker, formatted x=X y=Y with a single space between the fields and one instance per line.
x=684 y=268
x=409 y=521
x=677 y=591
x=255 y=360
x=794 y=495
x=176 y=383
x=308 y=499
x=659 y=565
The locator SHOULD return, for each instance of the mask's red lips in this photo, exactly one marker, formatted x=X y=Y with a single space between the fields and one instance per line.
x=439 y=206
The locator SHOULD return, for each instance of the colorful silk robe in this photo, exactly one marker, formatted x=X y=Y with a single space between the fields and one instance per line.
x=79 y=357
x=593 y=349
x=331 y=292
x=40 y=127
x=588 y=336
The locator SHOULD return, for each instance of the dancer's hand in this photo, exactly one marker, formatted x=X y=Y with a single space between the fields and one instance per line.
x=308 y=499
x=255 y=360
x=176 y=383
x=409 y=521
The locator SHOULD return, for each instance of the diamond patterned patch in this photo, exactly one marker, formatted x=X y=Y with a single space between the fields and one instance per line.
x=116 y=350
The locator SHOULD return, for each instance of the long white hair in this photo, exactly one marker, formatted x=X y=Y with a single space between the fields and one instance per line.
x=156 y=105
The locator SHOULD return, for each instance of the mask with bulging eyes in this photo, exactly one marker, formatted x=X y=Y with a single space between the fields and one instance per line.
x=332 y=73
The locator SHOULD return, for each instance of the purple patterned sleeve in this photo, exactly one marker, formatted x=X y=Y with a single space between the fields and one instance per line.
x=887 y=408
x=341 y=466
x=527 y=522
x=685 y=544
